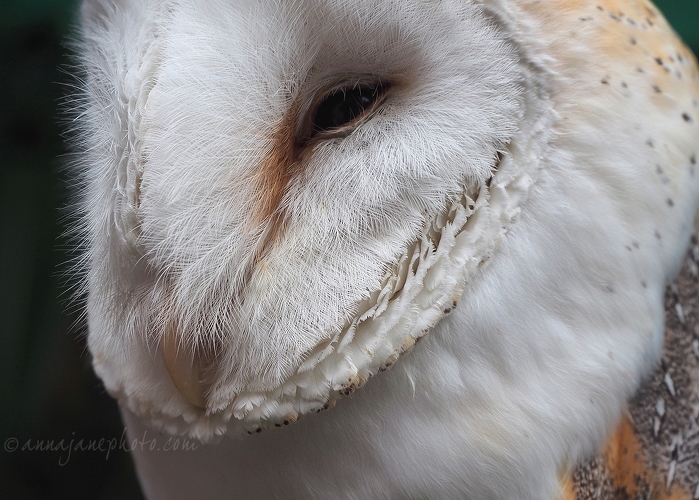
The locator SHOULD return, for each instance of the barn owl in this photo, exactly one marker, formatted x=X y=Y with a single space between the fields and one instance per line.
x=279 y=199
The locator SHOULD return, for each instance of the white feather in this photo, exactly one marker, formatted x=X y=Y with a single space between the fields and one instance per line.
x=478 y=189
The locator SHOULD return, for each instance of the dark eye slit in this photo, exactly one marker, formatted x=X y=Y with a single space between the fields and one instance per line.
x=345 y=106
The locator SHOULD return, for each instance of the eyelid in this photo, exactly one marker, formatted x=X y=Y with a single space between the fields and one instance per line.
x=380 y=89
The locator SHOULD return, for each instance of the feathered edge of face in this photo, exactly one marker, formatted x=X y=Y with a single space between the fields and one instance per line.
x=230 y=250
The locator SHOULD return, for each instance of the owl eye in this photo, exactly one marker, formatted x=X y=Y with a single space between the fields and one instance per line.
x=345 y=106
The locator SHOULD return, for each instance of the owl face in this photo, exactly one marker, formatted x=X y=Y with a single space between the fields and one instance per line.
x=278 y=199
x=269 y=184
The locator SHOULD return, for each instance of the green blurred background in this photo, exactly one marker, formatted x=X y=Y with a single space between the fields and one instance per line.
x=47 y=388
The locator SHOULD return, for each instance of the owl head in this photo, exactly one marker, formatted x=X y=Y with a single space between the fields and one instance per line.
x=276 y=194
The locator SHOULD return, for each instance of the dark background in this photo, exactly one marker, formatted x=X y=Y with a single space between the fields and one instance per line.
x=47 y=388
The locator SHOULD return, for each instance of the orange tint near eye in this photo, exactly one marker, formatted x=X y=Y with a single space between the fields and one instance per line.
x=271 y=180
x=273 y=174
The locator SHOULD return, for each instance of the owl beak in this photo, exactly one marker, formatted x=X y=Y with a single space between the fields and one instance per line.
x=184 y=366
